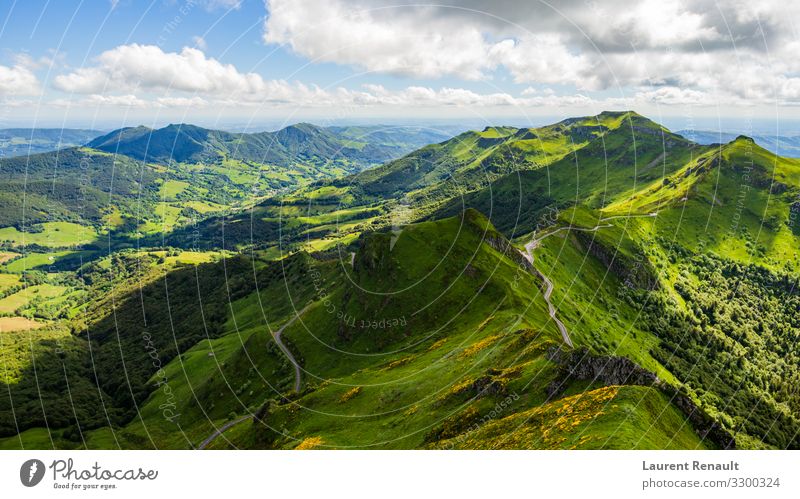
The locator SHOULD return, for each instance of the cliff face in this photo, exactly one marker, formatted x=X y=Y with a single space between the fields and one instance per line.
x=608 y=370
x=580 y=364
x=503 y=245
x=636 y=272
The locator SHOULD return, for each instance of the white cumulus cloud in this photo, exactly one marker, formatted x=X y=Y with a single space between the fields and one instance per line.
x=387 y=39
x=134 y=66
x=18 y=80
x=733 y=49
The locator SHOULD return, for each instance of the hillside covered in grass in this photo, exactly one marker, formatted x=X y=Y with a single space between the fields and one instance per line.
x=398 y=341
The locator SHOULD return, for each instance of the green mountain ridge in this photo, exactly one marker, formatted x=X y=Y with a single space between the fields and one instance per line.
x=619 y=161
x=442 y=179
x=470 y=159
x=137 y=183
x=302 y=142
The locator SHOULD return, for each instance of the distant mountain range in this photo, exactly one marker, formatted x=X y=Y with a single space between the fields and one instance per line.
x=23 y=141
x=782 y=145
x=300 y=143
x=156 y=171
x=376 y=143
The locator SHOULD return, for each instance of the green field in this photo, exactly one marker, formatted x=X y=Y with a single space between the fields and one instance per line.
x=8 y=281
x=170 y=189
x=18 y=324
x=41 y=293
x=50 y=234
x=5 y=256
x=44 y=261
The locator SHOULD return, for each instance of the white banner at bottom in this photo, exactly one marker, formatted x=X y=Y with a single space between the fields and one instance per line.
x=401 y=474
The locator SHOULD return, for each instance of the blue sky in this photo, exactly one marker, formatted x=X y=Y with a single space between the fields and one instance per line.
x=79 y=30
x=110 y=63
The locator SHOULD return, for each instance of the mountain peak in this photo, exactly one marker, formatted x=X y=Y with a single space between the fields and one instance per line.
x=617 y=114
x=299 y=132
x=182 y=126
x=303 y=126
x=742 y=143
x=119 y=135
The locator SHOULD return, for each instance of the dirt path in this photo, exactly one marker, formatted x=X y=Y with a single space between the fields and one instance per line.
x=548 y=284
x=297 y=380
x=286 y=352
x=548 y=291
x=220 y=430
x=567 y=227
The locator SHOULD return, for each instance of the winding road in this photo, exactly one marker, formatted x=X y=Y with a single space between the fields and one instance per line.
x=297 y=380
x=277 y=336
x=220 y=430
x=548 y=290
x=548 y=284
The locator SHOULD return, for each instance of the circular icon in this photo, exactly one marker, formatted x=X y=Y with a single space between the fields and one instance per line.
x=31 y=472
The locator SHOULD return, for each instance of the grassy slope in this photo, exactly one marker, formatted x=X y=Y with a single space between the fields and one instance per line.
x=50 y=234
x=410 y=384
x=737 y=202
x=425 y=389
x=733 y=203
x=614 y=417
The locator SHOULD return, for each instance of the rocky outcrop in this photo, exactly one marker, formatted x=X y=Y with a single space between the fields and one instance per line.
x=583 y=133
x=643 y=130
x=580 y=364
x=778 y=188
x=488 y=385
x=487 y=142
x=525 y=134
x=503 y=245
x=494 y=239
